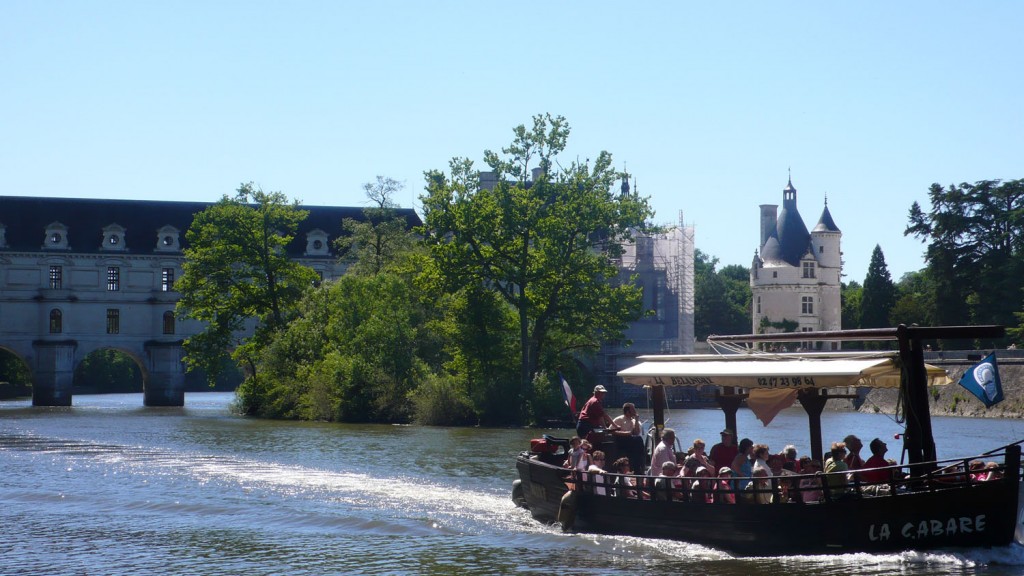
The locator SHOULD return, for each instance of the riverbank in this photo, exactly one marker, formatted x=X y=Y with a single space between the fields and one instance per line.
x=955 y=400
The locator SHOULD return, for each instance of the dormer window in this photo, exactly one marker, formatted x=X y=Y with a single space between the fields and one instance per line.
x=167 y=239
x=56 y=237
x=316 y=243
x=113 y=238
x=3 y=236
x=808 y=269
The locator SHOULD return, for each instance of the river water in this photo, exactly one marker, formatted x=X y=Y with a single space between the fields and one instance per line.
x=108 y=487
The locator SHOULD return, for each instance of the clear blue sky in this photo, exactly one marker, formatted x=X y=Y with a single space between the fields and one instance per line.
x=708 y=105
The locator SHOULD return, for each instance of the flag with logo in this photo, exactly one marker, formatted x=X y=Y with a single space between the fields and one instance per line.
x=570 y=398
x=982 y=380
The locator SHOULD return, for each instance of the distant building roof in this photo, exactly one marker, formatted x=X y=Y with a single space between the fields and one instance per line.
x=26 y=220
x=791 y=231
x=825 y=223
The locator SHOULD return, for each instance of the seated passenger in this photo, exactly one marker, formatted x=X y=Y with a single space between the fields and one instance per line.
x=853 y=445
x=624 y=486
x=760 y=456
x=723 y=453
x=703 y=488
x=741 y=466
x=872 y=473
x=724 y=493
x=688 y=471
x=836 y=470
x=597 y=472
x=977 y=470
x=666 y=484
x=992 y=472
x=697 y=451
x=789 y=453
x=810 y=486
x=760 y=490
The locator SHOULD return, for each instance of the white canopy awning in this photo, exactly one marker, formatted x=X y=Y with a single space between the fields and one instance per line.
x=772 y=372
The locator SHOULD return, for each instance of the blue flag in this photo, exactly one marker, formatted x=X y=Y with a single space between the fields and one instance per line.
x=983 y=381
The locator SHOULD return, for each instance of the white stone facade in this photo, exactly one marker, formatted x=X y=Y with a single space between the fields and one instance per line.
x=795 y=275
x=78 y=276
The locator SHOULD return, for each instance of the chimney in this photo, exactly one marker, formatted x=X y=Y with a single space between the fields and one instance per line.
x=769 y=220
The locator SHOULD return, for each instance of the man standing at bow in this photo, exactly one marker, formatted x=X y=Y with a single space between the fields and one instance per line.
x=593 y=414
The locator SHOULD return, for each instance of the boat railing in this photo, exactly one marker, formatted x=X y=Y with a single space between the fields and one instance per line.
x=999 y=466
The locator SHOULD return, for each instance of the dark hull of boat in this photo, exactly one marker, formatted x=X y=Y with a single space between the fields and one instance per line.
x=981 y=515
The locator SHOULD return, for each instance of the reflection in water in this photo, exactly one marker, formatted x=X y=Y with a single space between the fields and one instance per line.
x=107 y=487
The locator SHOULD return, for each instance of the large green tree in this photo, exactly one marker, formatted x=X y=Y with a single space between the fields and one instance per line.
x=382 y=236
x=722 y=298
x=541 y=235
x=238 y=278
x=879 y=294
x=353 y=352
x=914 y=299
x=975 y=251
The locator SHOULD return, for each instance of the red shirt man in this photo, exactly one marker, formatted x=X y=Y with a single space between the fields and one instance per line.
x=593 y=414
x=723 y=453
x=877 y=460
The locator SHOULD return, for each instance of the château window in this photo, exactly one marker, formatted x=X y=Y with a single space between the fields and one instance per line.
x=808 y=269
x=167 y=280
x=56 y=321
x=113 y=278
x=758 y=304
x=807 y=305
x=56 y=277
x=113 y=321
x=168 y=322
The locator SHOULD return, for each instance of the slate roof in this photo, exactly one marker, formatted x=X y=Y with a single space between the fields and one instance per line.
x=825 y=223
x=793 y=237
x=26 y=219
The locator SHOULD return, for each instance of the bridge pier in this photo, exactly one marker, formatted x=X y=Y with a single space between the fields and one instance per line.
x=166 y=383
x=54 y=371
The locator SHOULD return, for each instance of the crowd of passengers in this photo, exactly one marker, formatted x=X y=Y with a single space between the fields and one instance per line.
x=747 y=472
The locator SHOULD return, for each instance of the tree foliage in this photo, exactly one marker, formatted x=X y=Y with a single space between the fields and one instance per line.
x=237 y=273
x=722 y=299
x=914 y=300
x=377 y=241
x=850 y=294
x=975 y=251
x=542 y=240
x=353 y=353
x=879 y=293
x=15 y=377
x=108 y=370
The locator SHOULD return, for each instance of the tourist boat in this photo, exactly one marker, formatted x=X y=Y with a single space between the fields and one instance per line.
x=928 y=504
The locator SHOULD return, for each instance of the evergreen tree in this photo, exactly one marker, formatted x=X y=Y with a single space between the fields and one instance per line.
x=879 y=293
x=975 y=252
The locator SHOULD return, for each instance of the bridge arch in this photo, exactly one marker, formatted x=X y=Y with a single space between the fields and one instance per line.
x=16 y=372
x=84 y=360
